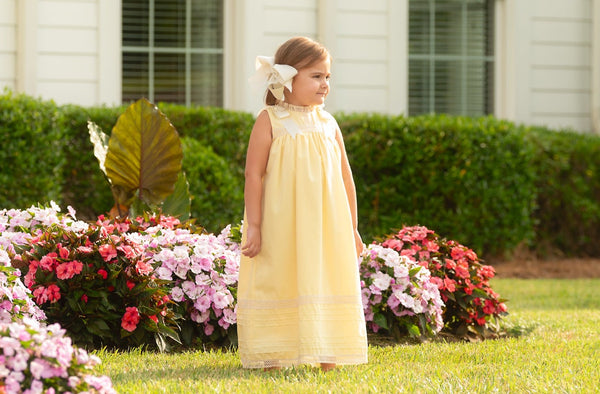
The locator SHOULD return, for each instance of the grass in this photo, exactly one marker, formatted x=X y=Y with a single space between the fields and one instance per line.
x=555 y=347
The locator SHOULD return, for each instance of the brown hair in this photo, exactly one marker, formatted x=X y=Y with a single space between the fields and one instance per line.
x=298 y=52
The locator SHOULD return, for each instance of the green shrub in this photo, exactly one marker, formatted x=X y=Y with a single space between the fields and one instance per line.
x=31 y=154
x=469 y=179
x=84 y=185
x=227 y=132
x=218 y=195
x=568 y=213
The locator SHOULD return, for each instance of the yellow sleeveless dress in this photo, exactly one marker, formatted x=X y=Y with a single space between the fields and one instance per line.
x=299 y=299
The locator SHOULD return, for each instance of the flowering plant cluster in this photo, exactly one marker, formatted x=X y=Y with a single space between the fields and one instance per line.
x=36 y=358
x=97 y=284
x=472 y=309
x=398 y=294
x=202 y=272
x=15 y=299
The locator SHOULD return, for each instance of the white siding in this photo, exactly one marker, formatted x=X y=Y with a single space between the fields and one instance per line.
x=560 y=66
x=362 y=45
x=67 y=51
x=8 y=44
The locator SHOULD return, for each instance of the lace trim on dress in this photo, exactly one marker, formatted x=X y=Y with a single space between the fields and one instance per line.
x=297 y=108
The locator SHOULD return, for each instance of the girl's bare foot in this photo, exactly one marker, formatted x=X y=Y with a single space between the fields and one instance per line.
x=325 y=367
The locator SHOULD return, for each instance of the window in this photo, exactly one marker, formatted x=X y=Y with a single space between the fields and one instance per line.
x=173 y=51
x=451 y=57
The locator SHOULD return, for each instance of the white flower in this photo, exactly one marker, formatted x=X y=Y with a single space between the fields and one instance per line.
x=381 y=280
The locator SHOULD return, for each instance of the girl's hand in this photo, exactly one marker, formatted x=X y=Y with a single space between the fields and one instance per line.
x=358 y=243
x=253 y=242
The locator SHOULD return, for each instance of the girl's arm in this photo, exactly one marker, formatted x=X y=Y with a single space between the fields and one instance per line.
x=350 y=191
x=256 y=164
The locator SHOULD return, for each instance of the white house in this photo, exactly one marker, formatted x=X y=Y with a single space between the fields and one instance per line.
x=530 y=61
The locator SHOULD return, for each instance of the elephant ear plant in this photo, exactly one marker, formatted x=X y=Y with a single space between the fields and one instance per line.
x=142 y=162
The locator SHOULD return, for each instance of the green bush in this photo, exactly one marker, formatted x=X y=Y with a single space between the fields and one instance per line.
x=84 y=185
x=469 y=179
x=217 y=194
x=568 y=213
x=31 y=154
x=227 y=132
x=487 y=183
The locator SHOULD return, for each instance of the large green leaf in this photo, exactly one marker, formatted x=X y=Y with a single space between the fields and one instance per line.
x=144 y=155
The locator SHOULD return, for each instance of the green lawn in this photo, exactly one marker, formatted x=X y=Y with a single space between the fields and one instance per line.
x=556 y=348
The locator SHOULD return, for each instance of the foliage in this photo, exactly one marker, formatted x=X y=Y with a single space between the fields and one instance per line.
x=473 y=308
x=31 y=154
x=98 y=285
x=490 y=183
x=469 y=178
x=218 y=195
x=37 y=358
x=568 y=205
x=398 y=294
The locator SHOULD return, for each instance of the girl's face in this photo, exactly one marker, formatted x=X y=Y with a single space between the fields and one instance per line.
x=311 y=85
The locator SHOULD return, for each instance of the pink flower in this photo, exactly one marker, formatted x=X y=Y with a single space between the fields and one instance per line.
x=48 y=262
x=53 y=292
x=103 y=273
x=63 y=253
x=130 y=284
x=84 y=298
x=143 y=268
x=208 y=330
x=153 y=318
x=68 y=270
x=40 y=295
x=457 y=253
x=130 y=319
x=107 y=251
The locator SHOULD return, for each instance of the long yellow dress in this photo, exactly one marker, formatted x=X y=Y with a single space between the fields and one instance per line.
x=299 y=299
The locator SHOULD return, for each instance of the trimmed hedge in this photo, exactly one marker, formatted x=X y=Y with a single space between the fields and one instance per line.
x=469 y=179
x=487 y=183
x=567 y=216
x=31 y=155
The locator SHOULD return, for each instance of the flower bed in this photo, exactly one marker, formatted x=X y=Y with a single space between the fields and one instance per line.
x=473 y=308
x=126 y=283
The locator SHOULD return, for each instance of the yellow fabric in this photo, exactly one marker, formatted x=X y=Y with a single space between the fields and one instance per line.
x=299 y=299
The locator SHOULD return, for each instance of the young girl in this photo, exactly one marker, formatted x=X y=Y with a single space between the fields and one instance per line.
x=299 y=299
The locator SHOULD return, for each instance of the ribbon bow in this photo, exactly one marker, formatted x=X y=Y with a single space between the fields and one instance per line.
x=274 y=77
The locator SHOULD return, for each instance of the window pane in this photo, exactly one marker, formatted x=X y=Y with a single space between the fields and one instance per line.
x=207 y=29
x=135 y=22
x=451 y=56
x=169 y=78
x=135 y=76
x=207 y=77
x=173 y=51
x=169 y=23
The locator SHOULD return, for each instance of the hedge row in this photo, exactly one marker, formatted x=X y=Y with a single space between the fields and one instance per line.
x=488 y=183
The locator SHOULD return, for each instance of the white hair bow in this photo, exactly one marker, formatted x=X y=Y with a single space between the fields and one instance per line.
x=274 y=77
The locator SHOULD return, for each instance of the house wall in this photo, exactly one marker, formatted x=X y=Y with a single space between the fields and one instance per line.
x=561 y=63
x=366 y=40
x=547 y=71
x=8 y=43
x=65 y=50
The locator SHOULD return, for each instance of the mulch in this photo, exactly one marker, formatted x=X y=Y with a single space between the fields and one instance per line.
x=565 y=268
